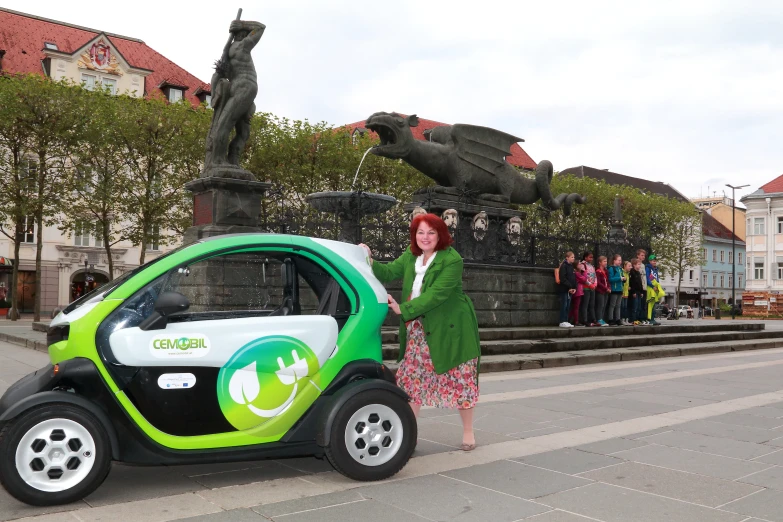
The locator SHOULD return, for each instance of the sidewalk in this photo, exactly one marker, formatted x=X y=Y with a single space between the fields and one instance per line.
x=684 y=439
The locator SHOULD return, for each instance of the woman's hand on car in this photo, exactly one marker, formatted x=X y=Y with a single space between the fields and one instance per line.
x=395 y=307
x=367 y=249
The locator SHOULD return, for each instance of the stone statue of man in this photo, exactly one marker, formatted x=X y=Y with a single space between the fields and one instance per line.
x=234 y=88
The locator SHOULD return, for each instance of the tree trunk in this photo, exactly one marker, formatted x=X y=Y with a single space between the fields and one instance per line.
x=39 y=211
x=107 y=246
x=13 y=313
x=143 y=249
x=38 y=252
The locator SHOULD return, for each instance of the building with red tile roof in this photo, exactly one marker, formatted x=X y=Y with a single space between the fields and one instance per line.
x=33 y=44
x=518 y=157
x=764 y=230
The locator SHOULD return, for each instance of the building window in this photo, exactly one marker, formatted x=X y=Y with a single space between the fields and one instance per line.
x=27 y=234
x=690 y=274
x=110 y=85
x=28 y=175
x=731 y=257
x=739 y=280
x=175 y=95
x=758 y=226
x=758 y=268
x=88 y=81
x=50 y=45
x=778 y=273
x=98 y=237
x=748 y=228
x=721 y=280
x=154 y=239
x=731 y=281
x=721 y=256
x=704 y=279
x=739 y=258
x=714 y=255
x=705 y=254
x=714 y=279
x=208 y=99
x=780 y=225
x=81 y=234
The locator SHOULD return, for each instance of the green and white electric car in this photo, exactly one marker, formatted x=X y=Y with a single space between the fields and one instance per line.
x=233 y=348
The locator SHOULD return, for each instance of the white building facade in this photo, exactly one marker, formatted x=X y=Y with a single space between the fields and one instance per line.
x=30 y=44
x=764 y=237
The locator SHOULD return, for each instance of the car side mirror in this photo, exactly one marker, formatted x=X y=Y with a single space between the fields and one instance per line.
x=168 y=304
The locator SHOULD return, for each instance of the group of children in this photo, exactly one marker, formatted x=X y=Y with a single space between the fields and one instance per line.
x=621 y=294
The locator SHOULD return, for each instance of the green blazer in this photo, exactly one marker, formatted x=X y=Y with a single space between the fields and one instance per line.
x=446 y=313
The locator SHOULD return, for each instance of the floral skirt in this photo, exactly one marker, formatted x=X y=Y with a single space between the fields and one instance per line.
x=457 y=388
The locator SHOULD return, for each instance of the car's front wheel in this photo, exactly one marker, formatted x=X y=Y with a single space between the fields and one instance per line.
x=53 y=454
x=373 y=436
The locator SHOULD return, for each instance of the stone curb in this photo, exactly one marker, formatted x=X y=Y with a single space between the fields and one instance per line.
x=27 y=343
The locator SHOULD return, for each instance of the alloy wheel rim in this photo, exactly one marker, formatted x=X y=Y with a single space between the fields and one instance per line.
x=55 y=455
x=374 y=435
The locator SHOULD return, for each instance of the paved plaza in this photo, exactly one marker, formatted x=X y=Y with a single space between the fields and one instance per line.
x=678 y=439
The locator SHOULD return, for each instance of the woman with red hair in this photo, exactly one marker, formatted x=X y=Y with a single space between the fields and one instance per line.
x=439 y=339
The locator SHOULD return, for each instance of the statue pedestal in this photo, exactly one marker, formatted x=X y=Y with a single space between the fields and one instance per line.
x=484 y=230
x=224 y=206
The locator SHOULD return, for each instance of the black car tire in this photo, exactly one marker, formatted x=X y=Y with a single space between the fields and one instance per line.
x=12 y=434
x=340 y=455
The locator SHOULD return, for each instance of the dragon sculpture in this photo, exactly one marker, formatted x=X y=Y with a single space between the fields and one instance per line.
x=469 y=158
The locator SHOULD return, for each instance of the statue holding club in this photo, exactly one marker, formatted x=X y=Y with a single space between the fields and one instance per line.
x=234 y=87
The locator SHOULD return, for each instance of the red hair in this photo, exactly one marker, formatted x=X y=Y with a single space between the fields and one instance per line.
x=444 y=238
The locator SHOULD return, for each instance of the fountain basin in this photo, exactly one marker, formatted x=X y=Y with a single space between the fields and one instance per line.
x=350 y=204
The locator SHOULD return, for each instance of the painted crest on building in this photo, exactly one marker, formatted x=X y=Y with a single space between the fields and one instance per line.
x=100 y=57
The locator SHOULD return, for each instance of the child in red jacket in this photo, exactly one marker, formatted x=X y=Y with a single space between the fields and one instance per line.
x=602 y=291
x=576 y=298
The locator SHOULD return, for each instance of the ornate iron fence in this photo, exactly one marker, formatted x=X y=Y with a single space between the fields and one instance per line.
x=493 y=242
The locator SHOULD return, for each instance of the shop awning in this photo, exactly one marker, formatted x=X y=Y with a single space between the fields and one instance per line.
x=6 y=261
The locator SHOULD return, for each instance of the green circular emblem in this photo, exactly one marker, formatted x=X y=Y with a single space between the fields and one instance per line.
x=262 y=379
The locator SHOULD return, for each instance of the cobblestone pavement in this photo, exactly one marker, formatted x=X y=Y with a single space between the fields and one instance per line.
x=682 y=439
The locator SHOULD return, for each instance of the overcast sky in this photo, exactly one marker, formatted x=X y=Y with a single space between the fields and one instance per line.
x=687 y=92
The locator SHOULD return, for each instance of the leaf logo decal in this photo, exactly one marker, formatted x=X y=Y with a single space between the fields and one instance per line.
x=243 y=386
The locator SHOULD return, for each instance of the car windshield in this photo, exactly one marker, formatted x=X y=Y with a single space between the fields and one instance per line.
x=116 y=282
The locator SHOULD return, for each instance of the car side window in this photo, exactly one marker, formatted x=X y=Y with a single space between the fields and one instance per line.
x=233 y=282
x=257 y=283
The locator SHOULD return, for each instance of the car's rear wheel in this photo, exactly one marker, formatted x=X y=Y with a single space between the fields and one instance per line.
x=373 y=436
x=53 y=454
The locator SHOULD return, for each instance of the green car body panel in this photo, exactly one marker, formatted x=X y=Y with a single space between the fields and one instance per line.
x=359 y=338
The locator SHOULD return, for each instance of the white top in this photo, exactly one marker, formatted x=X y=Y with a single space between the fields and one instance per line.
x=421 y=269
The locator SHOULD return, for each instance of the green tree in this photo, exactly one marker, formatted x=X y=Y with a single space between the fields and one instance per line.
x=163 y=146
x=15 y=180
x=680 y=246
x=300 y=158
x=93 y=185
x=52 y=115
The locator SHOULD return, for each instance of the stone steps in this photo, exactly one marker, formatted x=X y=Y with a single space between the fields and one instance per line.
x=390 y=335
x=532 y=361
x=633 y=339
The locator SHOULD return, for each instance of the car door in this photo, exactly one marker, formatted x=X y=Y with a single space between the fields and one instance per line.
x=242 y=354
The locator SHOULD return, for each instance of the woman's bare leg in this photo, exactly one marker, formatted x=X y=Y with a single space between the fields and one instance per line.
x=467 y=426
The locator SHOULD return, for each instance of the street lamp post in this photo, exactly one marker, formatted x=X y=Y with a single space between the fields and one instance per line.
x=734 y=249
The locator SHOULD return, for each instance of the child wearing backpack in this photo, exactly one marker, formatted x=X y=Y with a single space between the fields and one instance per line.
x=566 y=287
x=616 y=280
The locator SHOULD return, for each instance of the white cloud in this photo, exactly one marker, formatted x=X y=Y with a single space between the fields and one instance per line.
x=681 y=92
